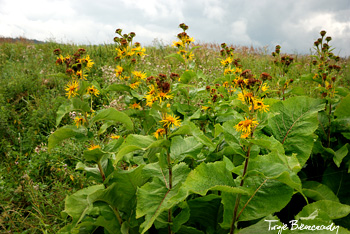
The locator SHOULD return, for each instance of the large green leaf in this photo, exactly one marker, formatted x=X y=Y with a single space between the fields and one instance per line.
x=155 y=197
x=77 y=205
x=135 y=142
x=94 y=155
x=269 y=196
x=342 y=110
x=333 y=209
x=183 y=147
x=191 y=129
x=121 y=194
x=74 y=104
x=66 y=132
x=205 y=213
x=112 y=114
x=318 y=191
x=295 y=125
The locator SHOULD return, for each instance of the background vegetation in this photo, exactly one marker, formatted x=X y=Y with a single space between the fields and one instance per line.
x=35 y=182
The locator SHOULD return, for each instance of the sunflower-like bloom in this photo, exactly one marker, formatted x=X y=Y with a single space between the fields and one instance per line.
x=160 y=132
x=264 y=87
x=246 y=126
x=135 y=105
x=79 y=120
x=92 y=147
x=139 y=75
x=170 y=121
x=72 y=89
x=259 y=105
x=139 y=51
x=177 y=44
x=226 y=61
x=80 y=75
x=135 y=85
x=162 y=96
x=86 y=62
x=118 y=71
x=92 y=91
x=115 y=137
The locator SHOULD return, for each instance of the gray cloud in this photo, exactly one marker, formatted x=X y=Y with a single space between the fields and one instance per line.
x=294 y=24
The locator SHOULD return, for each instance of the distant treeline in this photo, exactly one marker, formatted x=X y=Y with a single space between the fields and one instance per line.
x=19 y=39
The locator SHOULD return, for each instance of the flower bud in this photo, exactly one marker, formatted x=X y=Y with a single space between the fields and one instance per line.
x=183 y=26
x=57 y=51
x=132 y=34
x=223 y=45
x=328 y=39
x=119 y=31
x=323 y=33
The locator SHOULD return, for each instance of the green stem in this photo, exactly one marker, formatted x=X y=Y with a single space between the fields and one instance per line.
x=329 y=125
x=170 y=186
x=234 y=219
x=101 y=171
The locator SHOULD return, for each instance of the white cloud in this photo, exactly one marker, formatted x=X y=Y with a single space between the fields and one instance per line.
x=293 y=24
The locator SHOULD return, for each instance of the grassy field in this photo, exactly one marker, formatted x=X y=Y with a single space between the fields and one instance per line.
x=35 y=181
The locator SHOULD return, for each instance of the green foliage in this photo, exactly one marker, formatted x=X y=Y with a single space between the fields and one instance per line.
x=184 y=140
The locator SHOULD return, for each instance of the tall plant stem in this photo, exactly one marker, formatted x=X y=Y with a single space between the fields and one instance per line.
x=238 y=198
x=170 y=187
x=329 y=125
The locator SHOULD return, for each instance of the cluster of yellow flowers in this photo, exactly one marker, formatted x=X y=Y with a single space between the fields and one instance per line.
x=183 y=44
x=77 y=67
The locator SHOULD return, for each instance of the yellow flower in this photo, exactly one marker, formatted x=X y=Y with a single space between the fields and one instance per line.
x=246 y=98
x=205 y=108
x=177 y=44
x=159 y=132
x=246 y=126
x=238 y=70
x=189 y=40
x=188 y=56
x=228 y=71
x=92 y=91
x=264 y=87
x=135 y=106
x=79 y=120
x=170 y=121
x=140 y=51
x=92 y=147
x=87 y=62
x=135 y=85
x=115 y=137
x=225 y=84
x=226 y=61
x=118 y=71
x=162 y=96
x=259 y=105
x=72 y=89
x=139 y=75
x=80 y=75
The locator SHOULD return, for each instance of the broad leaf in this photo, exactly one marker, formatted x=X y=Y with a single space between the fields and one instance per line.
x=295 y=125
x=318 y=191
x=183 y=147
x=155 y=197
x=112 y=114
x=66 y=132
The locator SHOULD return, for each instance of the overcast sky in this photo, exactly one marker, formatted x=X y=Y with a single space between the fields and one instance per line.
x=294 y=24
